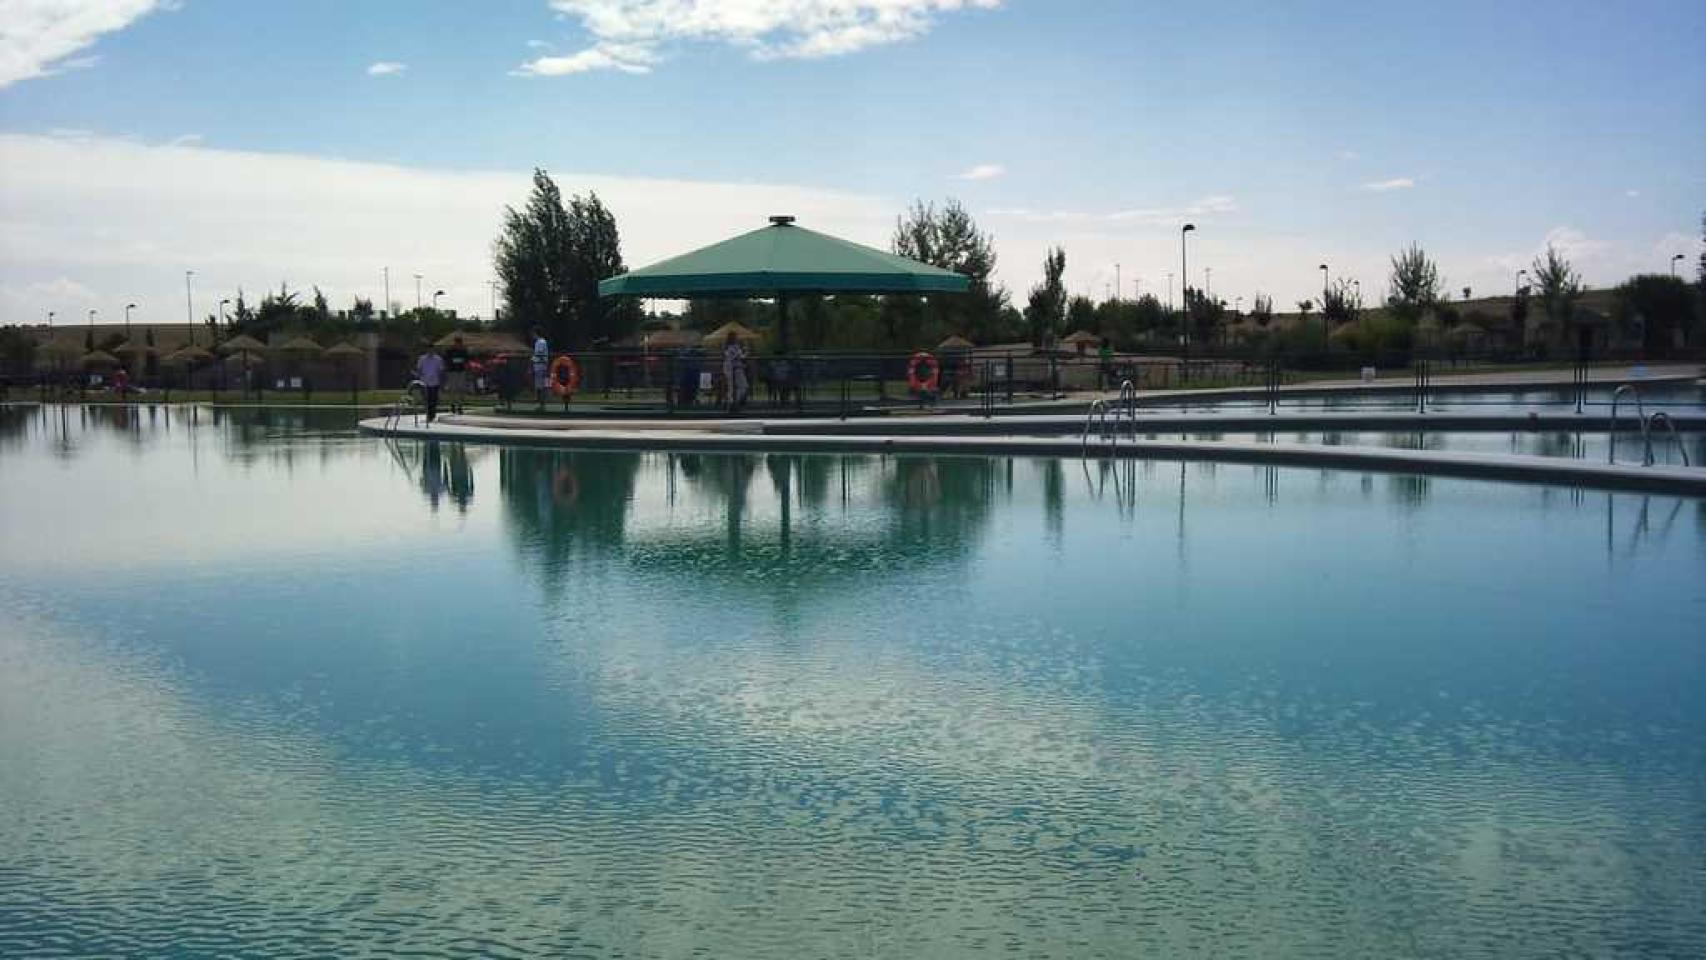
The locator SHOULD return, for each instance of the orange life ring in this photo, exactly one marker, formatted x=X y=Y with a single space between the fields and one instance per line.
x=923 y=384
x=565 y=375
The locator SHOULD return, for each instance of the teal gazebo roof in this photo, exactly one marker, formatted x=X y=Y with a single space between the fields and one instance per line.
x=783 y=259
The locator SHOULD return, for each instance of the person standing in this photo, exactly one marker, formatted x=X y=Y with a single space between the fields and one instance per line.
x=734 y=372
x=456 y=373
x=429 y=370
x=541 y=366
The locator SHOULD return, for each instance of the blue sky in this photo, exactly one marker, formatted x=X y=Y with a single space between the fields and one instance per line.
x=1292 y=133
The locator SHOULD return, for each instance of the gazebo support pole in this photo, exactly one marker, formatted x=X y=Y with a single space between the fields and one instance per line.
x=782 y=323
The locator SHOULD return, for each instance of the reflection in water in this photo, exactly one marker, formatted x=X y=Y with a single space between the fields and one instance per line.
x=271 y=697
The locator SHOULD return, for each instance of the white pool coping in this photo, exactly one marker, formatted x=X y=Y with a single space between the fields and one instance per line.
x=749 y=436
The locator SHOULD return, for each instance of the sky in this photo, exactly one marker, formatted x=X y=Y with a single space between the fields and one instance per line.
x=321 y=142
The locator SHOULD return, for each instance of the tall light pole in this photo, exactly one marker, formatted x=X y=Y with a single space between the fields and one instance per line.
x=1185 y=281
x=50 y=316
x=385 y=308
x=1119 y=287
x=1325 y=323
x=1519 y=275
x=222 y=304
x=127 y=308
x=1208 y=283
x=189 y=305
x=492 y=285
x=1169 y=290
x=435 y=295
x=417 y=291
x=1673 y=262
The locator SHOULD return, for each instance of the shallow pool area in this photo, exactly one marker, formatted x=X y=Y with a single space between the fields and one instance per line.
x=269 y=687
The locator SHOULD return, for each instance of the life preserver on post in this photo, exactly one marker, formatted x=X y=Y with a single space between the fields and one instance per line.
x=565 y=375
x=923 y=372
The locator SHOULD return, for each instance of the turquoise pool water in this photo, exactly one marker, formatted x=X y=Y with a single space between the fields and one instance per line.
x=1687 y=447
x=268 y=688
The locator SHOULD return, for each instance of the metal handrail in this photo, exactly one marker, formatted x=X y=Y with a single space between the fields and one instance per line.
x=1663 y=417
x=405 y=402
x=1096 y=406
x=1640 y=416
x=1128 y=406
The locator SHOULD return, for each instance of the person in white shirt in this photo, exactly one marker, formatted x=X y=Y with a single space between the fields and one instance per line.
x=734 y=373
x=541 y=366
x=429 y=370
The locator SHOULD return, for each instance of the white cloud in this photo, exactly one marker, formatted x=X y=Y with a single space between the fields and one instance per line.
x=1631 y=193
x=628 y=34
x=1348 y=155
x=1396 y=183
x=38 y=37
x=1151 y=216
x=622 y=57
x=983 y=171
x=386 y=68
x=123 y=219
x=185 y=140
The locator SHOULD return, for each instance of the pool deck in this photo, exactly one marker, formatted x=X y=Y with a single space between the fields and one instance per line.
x=854 y=436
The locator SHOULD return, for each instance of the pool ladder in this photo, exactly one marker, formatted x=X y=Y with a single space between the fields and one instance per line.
x=1646 y=423
x=1124 y=412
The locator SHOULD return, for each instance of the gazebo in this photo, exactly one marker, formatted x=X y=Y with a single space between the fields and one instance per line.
x=780 y=261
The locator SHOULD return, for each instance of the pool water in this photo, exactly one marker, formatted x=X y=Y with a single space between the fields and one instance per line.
x=270 y=688
x=1687 y=447
x=1671 y=396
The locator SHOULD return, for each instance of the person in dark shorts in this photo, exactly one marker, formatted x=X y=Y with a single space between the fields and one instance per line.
x=456 y=374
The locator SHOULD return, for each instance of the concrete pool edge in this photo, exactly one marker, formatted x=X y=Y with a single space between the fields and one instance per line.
x=1686 y=481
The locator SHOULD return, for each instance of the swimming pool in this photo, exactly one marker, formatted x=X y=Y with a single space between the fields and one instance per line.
x=271 y=688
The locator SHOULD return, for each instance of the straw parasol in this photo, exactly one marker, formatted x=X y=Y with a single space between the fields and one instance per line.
x=134 y=351
x=299 y=348
x=59 y=354
x=485 y=343
x=187 y=356
x=721 y=335
x=242 y=343
x=955 y=342
x=99 y=360
x=345 y=352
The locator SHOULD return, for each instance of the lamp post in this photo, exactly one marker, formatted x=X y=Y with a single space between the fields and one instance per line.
x=189 y=305
x=435 y=295
x=1325 y=323
x=1208 y=284
x=1673 y=262
x=1169 y=290
x=1185 y=281
x=222 y=304
x=1118 y=286
x=50 y=316
x=127 y=308
x=385 y=307
x=417 y=291
x=1519 y=275
x=492 y=285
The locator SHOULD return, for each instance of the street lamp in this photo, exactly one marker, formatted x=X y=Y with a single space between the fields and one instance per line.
x=1169 y=290
x=1325 y=323
x=1208 y=283
x=222 y=304
x=417 y=291
x=50 y=316
x=435 y=295
x=1118 y=286
x=189 y=305
x=127 y=308
x=385 y=308
x=1519 y=275
x=492 y=285
x=1185 y=281
x=1673 y=262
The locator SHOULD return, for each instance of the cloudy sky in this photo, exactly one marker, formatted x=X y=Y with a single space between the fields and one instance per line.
x=321 y=141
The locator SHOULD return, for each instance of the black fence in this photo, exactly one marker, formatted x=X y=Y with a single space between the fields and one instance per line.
x=980 y=380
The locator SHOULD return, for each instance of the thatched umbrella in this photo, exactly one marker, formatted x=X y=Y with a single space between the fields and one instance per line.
x=719 y=336
x=59 y=355
x=955 y=342
x=484 y=343
x=300 y=349
x=99 y=360
x=347 y=355
x=189 y=356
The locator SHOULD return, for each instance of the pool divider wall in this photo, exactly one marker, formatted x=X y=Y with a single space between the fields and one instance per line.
x=713 y=437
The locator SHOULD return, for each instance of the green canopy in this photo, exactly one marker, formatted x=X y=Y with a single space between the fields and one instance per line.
x=780 y=260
